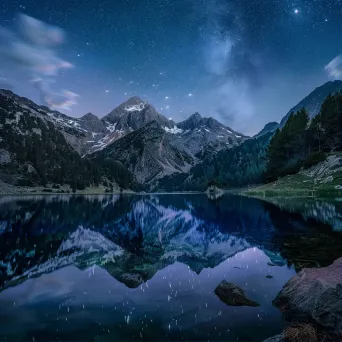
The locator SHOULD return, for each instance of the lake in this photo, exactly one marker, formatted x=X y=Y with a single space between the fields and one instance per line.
x=145 y=267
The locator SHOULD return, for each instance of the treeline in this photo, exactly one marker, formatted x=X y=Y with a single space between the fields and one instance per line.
x=302 y=143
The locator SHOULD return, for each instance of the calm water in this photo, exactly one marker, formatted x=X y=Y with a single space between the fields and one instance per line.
x=111 y=268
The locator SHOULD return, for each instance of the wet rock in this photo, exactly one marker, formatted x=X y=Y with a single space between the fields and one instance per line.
x=132 y=280
x=277 y=338
x=299 y=332
x=232 y=295
x=314 y=295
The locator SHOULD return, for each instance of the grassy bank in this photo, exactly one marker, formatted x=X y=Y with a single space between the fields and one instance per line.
x=323 y=179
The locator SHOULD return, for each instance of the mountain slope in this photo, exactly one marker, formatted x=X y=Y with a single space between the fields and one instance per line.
x=270 y=127
x=81 y=133
x=231 y=168
x=312 y=103
x=198 y=135
x=147 y=152
x=34 y=151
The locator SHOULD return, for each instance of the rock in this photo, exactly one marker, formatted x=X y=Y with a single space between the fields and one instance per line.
x=5 y=157
x=314 y=295
x=132 y=280
x=269 y=276
x=233 y=295
x=277 y=338
x=298 y=332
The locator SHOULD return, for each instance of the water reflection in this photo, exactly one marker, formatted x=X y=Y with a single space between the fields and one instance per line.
x=145 y=267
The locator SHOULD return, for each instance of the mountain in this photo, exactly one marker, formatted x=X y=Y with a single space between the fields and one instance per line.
x=39 y=146
x=270 y=127
x=133 y=136
x=313 y=102
x=148 y=152
x=126 y=118
x=198 y=135
x=135 y=113
x=92 y=123
x=231 y=168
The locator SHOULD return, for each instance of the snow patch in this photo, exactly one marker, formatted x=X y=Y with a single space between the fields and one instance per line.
x=135 y=108
x=174 y=130
x=110 y=127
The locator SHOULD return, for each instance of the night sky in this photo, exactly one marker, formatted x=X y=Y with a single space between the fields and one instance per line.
x=244 y=62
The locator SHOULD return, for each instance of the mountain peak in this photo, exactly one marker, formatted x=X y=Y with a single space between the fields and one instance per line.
x=195 y=116
x=134 y=100
x=192 y=122
x=90 y=117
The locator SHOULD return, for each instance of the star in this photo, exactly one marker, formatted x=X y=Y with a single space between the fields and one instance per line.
x=166 y=97
x=78 y=55
x=296 y=11
x=190 y=94
x=107 y=91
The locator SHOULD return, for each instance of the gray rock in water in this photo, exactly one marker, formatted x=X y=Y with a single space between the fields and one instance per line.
x=314 y=295
x=232 y=295
x=277 y=338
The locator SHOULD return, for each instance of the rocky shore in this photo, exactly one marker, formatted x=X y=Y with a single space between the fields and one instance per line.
x=312 y=299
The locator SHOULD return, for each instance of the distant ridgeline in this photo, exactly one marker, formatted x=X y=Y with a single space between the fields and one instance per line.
x=135 y=147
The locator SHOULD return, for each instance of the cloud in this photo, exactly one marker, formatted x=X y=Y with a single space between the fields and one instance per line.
x=231 y=66
x=334 y=68
x=31 y=51
x=233 y=104
x=62 y=100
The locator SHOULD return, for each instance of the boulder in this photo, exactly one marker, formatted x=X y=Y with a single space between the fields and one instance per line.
x=314 y=295
x=232 y=295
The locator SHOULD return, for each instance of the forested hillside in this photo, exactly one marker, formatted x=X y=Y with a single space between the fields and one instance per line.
x=230 y=168
x=302 y=143
x=33 y=152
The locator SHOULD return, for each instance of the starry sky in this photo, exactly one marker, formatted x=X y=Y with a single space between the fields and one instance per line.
x=244 y=62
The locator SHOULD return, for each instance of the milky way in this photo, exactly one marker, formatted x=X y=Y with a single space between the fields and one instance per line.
x=243 y=62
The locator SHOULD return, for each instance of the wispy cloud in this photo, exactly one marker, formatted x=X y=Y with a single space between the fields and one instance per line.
x=334 y=68
x=31 y=50
x=231 y=67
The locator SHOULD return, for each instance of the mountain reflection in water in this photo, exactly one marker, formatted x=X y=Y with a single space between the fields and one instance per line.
x=145 y=267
